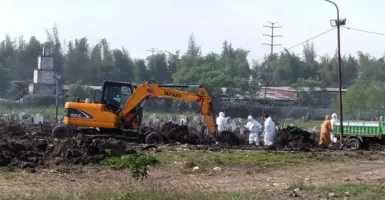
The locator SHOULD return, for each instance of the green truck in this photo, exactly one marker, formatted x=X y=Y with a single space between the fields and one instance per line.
x=357 y=133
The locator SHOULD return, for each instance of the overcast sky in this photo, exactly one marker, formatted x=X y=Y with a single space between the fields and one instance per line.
x=166 y=24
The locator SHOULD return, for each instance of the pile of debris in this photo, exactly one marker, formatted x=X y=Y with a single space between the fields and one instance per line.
x=25 y=124
x=85 y=150
x=31 y=152
x=179 y=133
x=294 y=138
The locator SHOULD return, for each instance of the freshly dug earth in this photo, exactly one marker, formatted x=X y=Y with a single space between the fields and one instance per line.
x=32 y=152
x=85 y=150
x=294 y=138
x=228 y=137
x=179 y=133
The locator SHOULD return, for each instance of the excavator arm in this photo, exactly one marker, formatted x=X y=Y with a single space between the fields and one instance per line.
x=149 y=91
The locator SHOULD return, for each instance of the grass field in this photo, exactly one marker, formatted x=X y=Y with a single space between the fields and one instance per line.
x=244 y=175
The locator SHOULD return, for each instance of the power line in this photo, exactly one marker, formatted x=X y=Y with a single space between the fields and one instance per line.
x=365 y=31
x=272 y=36
x=319 y=35
x=307 y=40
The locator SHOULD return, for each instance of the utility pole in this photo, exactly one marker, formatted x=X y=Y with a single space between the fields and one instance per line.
x=339 y=22
x=272 y=45
x=152 y=50
x=272 y=36
x=57 y=78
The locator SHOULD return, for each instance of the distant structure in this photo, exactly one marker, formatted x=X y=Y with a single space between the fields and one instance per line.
x=44 y=79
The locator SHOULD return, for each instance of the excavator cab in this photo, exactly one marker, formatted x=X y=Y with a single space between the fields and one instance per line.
x=115 y=95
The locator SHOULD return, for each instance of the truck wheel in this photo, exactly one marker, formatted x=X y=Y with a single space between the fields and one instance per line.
x=353 y=144
x=154 y=138
x=60 y=131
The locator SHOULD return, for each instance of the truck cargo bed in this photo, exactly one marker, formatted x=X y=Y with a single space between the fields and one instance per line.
x=361 y=128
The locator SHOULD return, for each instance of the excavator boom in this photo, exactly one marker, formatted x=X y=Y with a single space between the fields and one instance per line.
x=149 y=91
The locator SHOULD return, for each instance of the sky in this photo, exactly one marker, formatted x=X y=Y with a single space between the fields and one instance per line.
x=138 y=25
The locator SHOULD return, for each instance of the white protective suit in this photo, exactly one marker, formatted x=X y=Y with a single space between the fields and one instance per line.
x=269 y=132
x=222 y=122
x=332 y=121
x=254 y=127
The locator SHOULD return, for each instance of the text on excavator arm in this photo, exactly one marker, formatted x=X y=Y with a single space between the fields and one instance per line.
x=149 y=91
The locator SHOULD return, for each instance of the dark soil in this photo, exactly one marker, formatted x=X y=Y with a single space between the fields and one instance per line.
x=229 y=138
x=33 y=153
x=84 y=151
x=179 y=133
x=295 y=138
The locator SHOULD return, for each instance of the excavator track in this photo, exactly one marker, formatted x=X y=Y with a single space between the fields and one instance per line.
x=63 y=132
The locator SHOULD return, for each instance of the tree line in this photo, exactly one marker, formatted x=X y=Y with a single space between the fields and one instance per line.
x=80 y=63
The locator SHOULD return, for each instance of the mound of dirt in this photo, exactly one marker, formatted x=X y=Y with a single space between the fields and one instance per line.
x=84 y=151
x=22 y=153
x=294 y=138
x=179 y=133
x=228 y=137
x=31 y=152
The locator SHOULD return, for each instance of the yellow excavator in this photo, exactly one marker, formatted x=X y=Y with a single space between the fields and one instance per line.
x=119 y=112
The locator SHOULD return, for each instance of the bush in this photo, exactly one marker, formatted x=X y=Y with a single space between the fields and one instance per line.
x=38 y=100
x=137 y=163
x=76 y=90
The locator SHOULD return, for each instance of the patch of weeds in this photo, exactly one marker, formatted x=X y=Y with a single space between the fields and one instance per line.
x=108 y=151
x=8 y=173
x=300 y=184
x=218 y=161
x=137 y=163
x=186 y=195
x=189 y=164
x=206 y=159
x=360 y=191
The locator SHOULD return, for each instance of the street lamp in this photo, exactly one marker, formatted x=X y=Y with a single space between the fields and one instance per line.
x=337 y=22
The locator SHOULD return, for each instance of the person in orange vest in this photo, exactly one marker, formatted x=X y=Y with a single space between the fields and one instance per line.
x=326 y=128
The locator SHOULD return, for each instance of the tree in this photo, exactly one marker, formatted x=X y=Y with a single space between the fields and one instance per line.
x=141 y=72
x=77 y=69
x=79 y=91
x=54 y=47
x=157 y=66
x=124 y=65
x=362 y=96
x=306 y=91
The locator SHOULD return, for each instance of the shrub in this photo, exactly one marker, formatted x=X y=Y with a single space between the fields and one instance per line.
x=76 y=90
x=38 y=100
x=137 y=163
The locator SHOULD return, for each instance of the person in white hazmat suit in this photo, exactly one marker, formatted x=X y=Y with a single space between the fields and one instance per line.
x=269 y=131
x=254 y=127
x=222 y=122
x=332 y=121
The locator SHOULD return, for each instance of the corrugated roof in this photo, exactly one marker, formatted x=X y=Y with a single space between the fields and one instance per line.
x=290 y=89
x=276 y=95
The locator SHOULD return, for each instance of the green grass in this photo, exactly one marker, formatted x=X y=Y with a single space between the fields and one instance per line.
x=207 y=160
x=351 y=191
x=189 y=195
x=358 y=191
x=145 y=194
x=7 y=174
x=137 y=163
